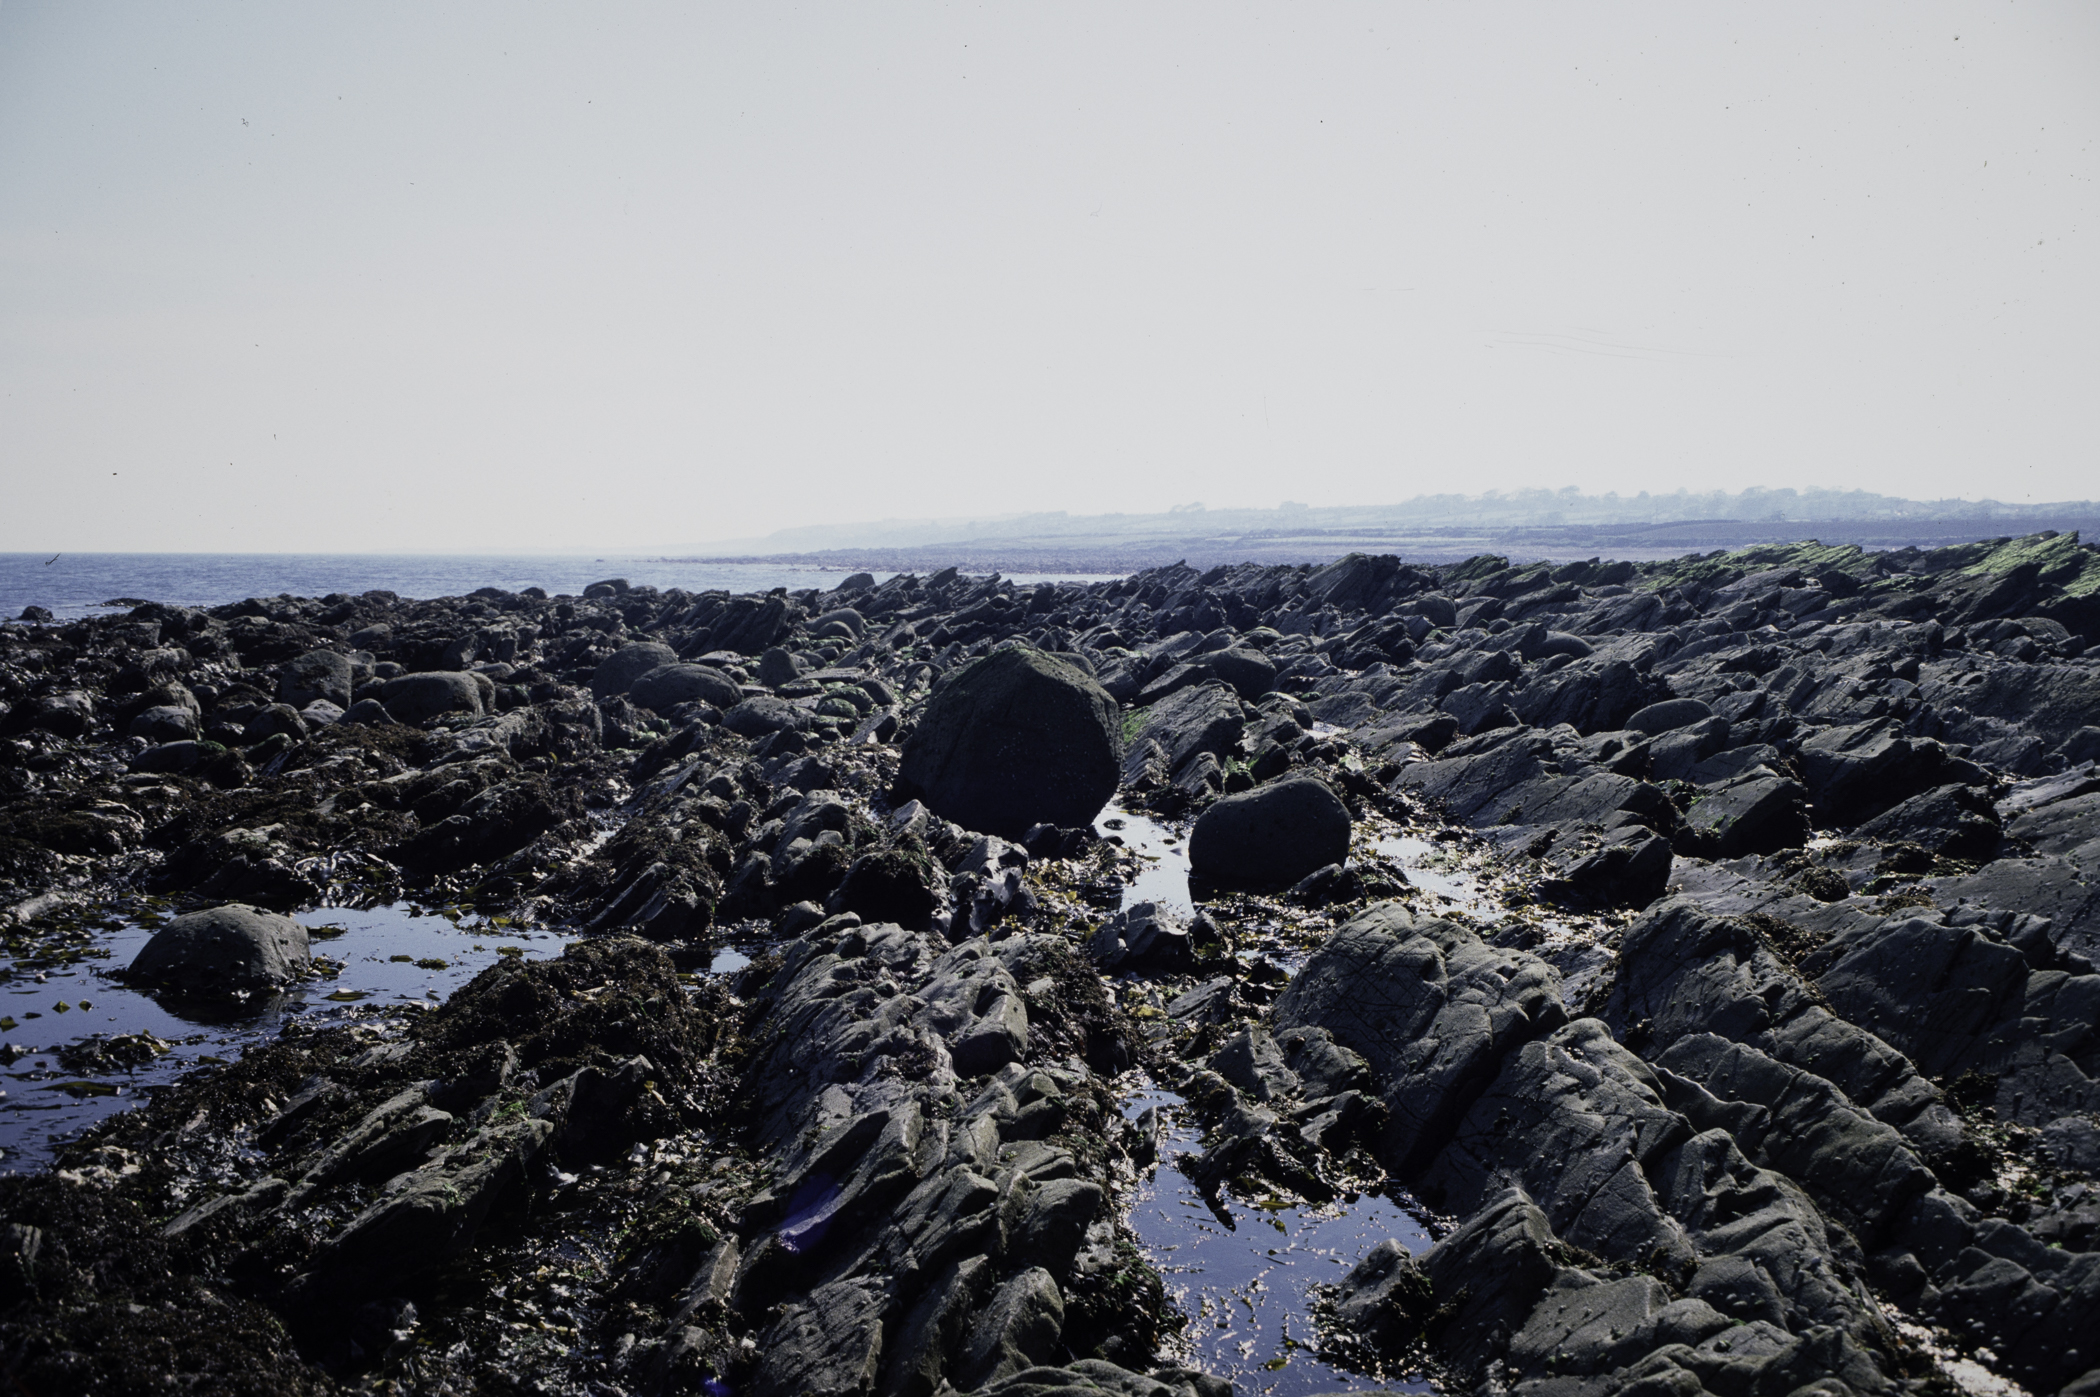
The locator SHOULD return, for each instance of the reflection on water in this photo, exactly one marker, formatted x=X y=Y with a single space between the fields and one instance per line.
x=1164 y=879
x=1245 y=1290
x=727 y=961
x=1434 y=869
x=64 y=1070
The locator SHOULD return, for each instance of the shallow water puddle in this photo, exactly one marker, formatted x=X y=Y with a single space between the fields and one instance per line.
x=1435 y=870
x=727 y=961
x=1164 y=877
x=62 y=1072
x=1246 y=1290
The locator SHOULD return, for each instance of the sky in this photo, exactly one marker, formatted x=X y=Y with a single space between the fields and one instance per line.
x=465 y=277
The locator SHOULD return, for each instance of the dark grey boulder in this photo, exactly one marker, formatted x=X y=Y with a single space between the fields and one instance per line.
x=318 y=674
x=224 y=950
x=274 y=719
x=1273 y=834
x=844 y=616
x=1250 y=673
x=667 y=686
x=892 y=885
x=1015 y=740
x=1017 y=1330
x=763 y=714
x=368 y=710
x=1145 y=936
x=1627 y=867
x=1854 y=773
x=617 y=672
x=321 y=714
x=177 y=756
x=417 y=698
x=1430 y=1007
x=1668 y=716
x=1205 y=717
x=1956 y=821
x=164 y=723
x=777 y=667
x=1760 y=813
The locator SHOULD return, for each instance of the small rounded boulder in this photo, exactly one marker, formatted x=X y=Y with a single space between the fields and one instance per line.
x=667 y=686
x=1272 y=835
x=224 y=950
x=417 y=698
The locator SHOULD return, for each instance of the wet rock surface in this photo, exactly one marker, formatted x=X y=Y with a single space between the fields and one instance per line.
x=1698 y=953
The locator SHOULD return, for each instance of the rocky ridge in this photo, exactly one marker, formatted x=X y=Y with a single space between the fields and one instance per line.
x=1757 y=1052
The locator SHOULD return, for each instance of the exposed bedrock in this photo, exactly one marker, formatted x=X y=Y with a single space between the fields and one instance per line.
x=1707 y=944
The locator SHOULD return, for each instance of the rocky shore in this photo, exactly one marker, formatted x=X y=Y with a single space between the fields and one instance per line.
x=1702 y=952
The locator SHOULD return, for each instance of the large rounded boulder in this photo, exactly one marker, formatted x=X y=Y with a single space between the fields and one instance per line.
x=667 y=686
x=1272 y=835
x=1015 y=740
x=224 y=950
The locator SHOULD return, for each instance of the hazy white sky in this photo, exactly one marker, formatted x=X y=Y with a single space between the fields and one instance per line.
x=502 y=276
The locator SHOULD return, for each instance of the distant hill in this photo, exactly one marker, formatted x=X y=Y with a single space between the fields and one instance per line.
x=1525 y=526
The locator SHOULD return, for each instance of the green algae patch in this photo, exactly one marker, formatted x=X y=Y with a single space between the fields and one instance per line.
x=2059 y=559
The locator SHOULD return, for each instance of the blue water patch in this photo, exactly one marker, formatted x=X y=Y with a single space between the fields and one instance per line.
x=1164 y=876
x=59 y=1071
x=77 y=584
x=1246 y=1288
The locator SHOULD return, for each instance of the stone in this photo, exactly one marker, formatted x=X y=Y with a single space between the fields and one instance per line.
x=667 y=686
x=1759 y=813
x=318 y=674
x=277 y=719
x=177 y=757
x=320 y=714
x=1014 y=740
x=1144 y=936
x=1855 y=772
x=1954 y=821
x=617 y=672
x=418 y=698
x=369 y=711
x=758 y=716
x=1668 y=716
x=1627 y=867
x=1430 y=1008
x=165 y=723
x=224 y=950
x=1204 y=718
x=1018 y=1329
x=1274 y=834
x=777 y=667
x=892 y=885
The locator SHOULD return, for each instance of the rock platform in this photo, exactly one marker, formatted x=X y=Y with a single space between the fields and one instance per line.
x=1702 y=951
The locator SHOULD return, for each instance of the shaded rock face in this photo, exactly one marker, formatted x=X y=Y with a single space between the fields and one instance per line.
x=224 y=950
x=1014 y=741
x=1274 y=834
